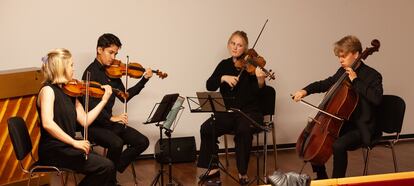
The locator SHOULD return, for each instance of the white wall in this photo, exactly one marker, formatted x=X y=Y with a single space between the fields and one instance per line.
x=187 y=38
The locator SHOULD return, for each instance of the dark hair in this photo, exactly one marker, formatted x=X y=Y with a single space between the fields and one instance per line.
x=108 y=39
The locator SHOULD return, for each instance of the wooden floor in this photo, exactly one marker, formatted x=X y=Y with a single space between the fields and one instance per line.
x=187 y=173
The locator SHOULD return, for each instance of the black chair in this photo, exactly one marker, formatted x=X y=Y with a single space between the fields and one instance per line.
x=267 y=107
x=22 y=146
x=389 y=120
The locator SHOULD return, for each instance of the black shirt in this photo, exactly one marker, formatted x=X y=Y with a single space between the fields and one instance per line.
x=368 y=85
x=244 y=96
x=97 y=71
x=64 y=114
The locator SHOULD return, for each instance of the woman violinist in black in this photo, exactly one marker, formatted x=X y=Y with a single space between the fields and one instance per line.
x=367 y=83
x=245 y=91
x=59 y=114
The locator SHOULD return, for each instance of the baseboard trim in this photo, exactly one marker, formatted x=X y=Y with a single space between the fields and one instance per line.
x=403 y=137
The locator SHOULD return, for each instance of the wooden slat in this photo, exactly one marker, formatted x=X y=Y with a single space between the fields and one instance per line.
x=26 y=113
x=18 y=99
x=10 y=111
x=4 y=134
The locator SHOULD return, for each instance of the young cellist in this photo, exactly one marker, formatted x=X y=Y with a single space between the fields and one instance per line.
x=367 y=83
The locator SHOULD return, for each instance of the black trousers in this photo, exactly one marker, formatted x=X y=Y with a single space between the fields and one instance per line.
x=350 y=139
x=114 y=137
x=98 y=170
x=228 y=123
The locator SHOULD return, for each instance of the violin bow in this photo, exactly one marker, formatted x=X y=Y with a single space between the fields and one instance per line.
x=317 y=108
x=126 y=88
x=85 y=128
x=257 y=39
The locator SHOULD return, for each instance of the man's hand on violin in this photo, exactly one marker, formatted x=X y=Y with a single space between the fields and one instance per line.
x=259 y=73
x=82 y=145
x=351 y=73
x=230 y=80
x=108 y=92
x=148 y=73
x=121 y=119
x=299 y=95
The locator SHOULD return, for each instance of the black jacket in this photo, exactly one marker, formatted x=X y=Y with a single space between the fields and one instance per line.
x=368 y=85
x=244 y=96
x=97 y=71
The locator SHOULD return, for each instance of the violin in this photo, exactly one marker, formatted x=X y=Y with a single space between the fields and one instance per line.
x=250 y=60
x=76 y=88
x=135 y=70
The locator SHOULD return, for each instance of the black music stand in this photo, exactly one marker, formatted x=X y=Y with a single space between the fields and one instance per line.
x=165 y=113
x=211 y=102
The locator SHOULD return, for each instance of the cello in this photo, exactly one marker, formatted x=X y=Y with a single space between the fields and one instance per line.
x=315 y=142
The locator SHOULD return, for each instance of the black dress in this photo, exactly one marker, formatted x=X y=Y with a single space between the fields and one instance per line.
x=54 y=152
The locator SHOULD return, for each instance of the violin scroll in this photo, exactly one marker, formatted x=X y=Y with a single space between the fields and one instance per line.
x=369 y=50
x=160 y=74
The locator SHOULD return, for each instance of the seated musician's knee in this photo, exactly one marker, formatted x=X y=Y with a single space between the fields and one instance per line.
x=105 y=166
x=338 y=147
x=206 y=129
x=108 y=166
x=245 y=131
x=116 y=144
x=144 y=142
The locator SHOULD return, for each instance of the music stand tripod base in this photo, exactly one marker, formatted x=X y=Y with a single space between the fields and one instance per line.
x=210 y=102
x=159 y=117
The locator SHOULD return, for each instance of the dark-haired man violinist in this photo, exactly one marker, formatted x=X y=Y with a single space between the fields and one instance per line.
x=109 y=130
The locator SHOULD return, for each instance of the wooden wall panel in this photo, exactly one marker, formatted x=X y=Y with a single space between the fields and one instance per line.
x=18 y=102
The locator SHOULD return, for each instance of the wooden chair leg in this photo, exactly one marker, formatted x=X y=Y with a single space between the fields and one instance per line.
x=62 y=179
x=38 y=180
x=394 y=158
x=134 y=174
x=226 y=150
x=74 y=178
x=30 y=179
x=366 y=161
x=66 y=177
x=264 y=156
x=274 y=144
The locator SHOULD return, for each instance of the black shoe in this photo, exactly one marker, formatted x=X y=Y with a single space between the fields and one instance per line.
x=244 y=181
x=321 y=175
x=208 y=177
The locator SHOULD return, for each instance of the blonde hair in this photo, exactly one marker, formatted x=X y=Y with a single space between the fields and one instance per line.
x=347 y=44
x=241 y=34
x=54 y=66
